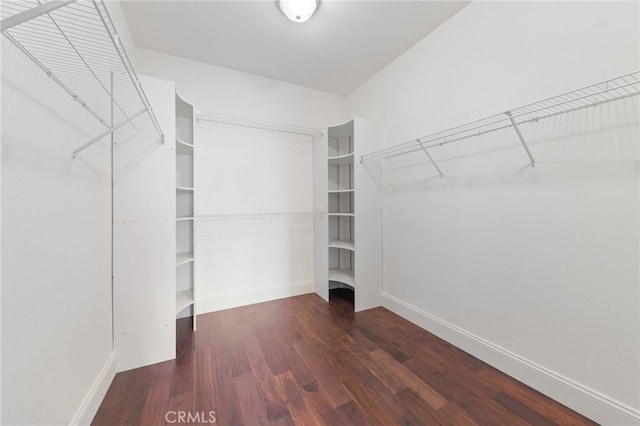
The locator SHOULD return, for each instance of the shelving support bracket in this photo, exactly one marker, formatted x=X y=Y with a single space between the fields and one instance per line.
x=34 y=12
x=524 y=143
x=108 y=131
x=430 y=158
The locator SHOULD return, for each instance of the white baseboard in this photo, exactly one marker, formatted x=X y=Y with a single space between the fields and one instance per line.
x=590 y=403
x=92 y=400
x=249 y=298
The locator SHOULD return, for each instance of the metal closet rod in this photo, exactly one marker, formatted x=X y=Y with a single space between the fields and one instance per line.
x=50 y=46
x=254 y=216
x=611 y=90
x=249 y=123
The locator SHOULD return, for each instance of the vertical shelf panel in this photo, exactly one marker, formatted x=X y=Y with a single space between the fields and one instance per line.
x=348 y=213
x=185 y=210
x=144 y=238
x=320 y=218
x=341 y=191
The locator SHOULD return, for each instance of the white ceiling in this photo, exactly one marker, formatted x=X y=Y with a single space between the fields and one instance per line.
x=339 y=48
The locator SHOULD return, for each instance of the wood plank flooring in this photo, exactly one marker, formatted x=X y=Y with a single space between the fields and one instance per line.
x=302 y=361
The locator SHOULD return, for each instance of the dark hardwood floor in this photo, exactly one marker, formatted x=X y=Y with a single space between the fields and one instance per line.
x=303 y=361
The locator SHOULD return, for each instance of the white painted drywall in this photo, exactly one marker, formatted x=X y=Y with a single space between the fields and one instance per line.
x=534 y=270
x=254 y=233
x=226 y=91
x=56 y=259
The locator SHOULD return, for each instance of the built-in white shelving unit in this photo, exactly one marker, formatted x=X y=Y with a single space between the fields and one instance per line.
x=340 y=184
x=347 y=212
x=185 y=206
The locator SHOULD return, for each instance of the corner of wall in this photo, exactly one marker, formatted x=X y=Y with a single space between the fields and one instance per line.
x=92 y=400
x=576 y=396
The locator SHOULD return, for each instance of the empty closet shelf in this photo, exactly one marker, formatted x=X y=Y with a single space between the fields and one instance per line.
x=182 y=258
x=345 y=276
x=347 y=245
x=184 y=298
x=183 y=147
x=341 y=159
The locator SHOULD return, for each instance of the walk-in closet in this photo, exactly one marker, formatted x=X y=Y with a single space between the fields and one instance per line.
x=320 y=212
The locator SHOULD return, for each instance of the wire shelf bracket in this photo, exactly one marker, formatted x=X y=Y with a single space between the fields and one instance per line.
x=76 y=44
x=430 y=158
x=615 y=89
x=108 y=131
x=524 y=143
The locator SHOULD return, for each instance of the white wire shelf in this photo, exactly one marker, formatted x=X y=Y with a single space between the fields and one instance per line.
x=608 y=91
x=76 y=44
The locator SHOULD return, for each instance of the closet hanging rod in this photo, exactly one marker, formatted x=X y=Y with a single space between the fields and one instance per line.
x=75 y=43
x=253 y=216
x=249 y=123
x=611 y=90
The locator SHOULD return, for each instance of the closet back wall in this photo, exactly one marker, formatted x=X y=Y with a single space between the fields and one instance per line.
x=254 y=229
x=535 y=270
x=240 y=174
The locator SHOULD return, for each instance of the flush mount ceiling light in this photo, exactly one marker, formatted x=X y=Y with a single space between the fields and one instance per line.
x=298 y=10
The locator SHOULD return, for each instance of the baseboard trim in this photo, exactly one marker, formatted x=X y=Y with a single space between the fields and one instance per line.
x=251 y=297
x=92 y=400
x=589 y=402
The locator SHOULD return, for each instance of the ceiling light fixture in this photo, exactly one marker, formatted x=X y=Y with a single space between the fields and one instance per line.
x=298 y=10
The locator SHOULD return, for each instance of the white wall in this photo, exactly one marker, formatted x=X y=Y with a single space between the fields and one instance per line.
x=221 y=90
x=254 y=228
x=57 y=357
x=533 y=270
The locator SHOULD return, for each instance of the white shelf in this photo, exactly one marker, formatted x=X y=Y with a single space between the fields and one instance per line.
x=342 y=214
x=341 y=159
x=76 y=44
x=347 y=245
x=344 y=276
x=184 y=189
x=183 y=219
x=183 y=147
x=183 y=299
x=341 y=191
x=588 y=97
x=182 y=258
